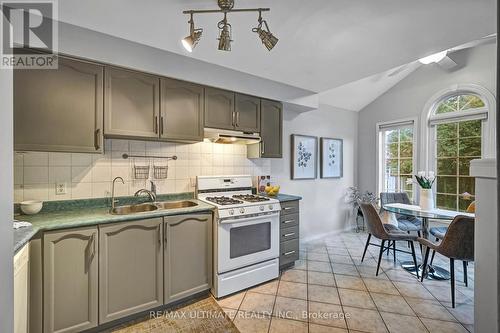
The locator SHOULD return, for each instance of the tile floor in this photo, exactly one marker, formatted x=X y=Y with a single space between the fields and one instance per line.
x=331 y=290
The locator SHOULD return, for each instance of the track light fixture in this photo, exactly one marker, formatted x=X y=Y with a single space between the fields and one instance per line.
x=225 y=29
x=192 y=40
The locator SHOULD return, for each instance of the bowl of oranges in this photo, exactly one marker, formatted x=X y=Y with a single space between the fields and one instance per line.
x=272 y=191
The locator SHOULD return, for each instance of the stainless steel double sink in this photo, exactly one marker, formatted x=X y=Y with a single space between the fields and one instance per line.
x=149 y=207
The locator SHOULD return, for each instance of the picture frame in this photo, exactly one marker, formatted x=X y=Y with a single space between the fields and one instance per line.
x=304 y=156
x=331 y=158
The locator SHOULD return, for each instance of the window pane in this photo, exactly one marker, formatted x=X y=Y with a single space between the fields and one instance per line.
x=448 y=105
x=464 y=165
x=406 y=149
x=467 y=102
x=459 y=103
x=392 y=150
x=470 y=128
x=470 y=147
x=447 y=148
x=446 y=184
x=392 y=167
x=464 y=203
x=406 y=134
x=466 y=184
x=445 y=201
x=406 y=167
x=447 y=131
x=447 y=166
x=391 y=136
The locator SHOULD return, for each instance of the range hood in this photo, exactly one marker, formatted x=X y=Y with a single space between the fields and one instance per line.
x=230 y=137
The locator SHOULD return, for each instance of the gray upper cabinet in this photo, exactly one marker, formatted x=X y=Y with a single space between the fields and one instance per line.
x=132 y=104
x=219 y=109
x=59 y=110
x=271 y=132
x=130 y=268
x=182 y=113
x=188 y=255
x=247 y=114
x=70 y=280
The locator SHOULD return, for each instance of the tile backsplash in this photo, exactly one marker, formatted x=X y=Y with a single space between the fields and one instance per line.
x=90 y=175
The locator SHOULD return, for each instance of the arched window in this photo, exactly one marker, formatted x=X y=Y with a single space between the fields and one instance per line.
x=459 y=127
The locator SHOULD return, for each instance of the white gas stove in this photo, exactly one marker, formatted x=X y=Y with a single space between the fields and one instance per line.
x=246 y=233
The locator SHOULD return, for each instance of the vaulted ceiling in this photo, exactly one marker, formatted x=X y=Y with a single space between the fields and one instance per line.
x=323 y=43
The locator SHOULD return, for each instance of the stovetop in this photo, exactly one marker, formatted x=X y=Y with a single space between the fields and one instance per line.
x=250 y=197
x=223 y=200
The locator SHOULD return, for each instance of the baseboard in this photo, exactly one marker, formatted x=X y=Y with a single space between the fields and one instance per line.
x=326 y=234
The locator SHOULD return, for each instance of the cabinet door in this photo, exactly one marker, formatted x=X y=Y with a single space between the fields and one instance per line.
x=188 y=255
x=247 y=118
x=59 y=110
x=271 y=129
x=219 y=109
x=130 y=268
x=132 y=104
x=70 y=291
x=181 y=110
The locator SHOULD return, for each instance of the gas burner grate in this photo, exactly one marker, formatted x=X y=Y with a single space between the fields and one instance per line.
x=250 y=198
x=224 y=200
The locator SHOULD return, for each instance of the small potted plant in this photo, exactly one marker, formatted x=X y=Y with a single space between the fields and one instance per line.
x=425 y=180
x=353 y=197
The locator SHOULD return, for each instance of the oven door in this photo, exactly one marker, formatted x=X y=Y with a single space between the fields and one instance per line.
x=246 y=241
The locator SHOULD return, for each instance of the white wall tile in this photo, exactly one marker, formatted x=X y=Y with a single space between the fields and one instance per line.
x=36 y=192
x=218 y=148
x=81 y=190
x=168 y=148
x=227 y=149
x=18 y=175
x=59 y=174
x=18 y=193
x=81 y=174
x=182 y=185
x=36 y=159
x=195 y=148
x=36 y=175
x=120 y=171
x=55 y=196
x=181 y=172
x=18 y=159
x=137 y=146
x=59 y=159
x=228 y=160
x=206 y=147
x=101 y=174
x=101 y=189
x=119 y=145
x=81 y=159
x=182 y=148
x=218 y=160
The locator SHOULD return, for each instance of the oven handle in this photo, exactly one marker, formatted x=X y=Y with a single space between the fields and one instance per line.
x=246 y=219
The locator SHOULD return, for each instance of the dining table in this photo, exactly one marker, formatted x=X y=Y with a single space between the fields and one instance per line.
x=433 y=272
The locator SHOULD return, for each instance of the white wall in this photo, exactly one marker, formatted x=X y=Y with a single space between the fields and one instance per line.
x=408 y=98
x=6 y=234
x=322 y=209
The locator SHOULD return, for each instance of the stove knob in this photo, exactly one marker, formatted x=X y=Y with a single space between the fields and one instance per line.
x=270 y=207
x=231 y=212
x=261 y=208
x=242 y=210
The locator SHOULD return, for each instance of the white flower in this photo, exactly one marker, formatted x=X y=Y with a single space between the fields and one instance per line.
x=431 y=174
x=421 y=173
x=409 y=181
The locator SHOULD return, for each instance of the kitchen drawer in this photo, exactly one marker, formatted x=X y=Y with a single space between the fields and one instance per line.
x=289 y=207
x=289 y=251
x=289 y=233
x=289 y=220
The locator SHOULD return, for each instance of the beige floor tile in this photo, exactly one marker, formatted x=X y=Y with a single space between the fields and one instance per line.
x=464 y=313
x=397 y=323
x=324 y=279
x=232 y=302
x=469 y=328
x=437 y=326
x=415 y=290
x=364 y=320
x=392 y=303
x=300 y=264
x=259 y=303
x=380 y=286
x=318 y=256
x=356 y=298
x=251 y=322
x=400 y=275
x=319 y=266
x=292 y=289
x=317 y=248
x=367 y=262
x=443 y=293
x=349 y=282
x=315 y=328
x=231 y=313
x=290 y=308
x=369 y=272
x=294 y=275
x=270 y=288
x=338 y=259
x=345 y=269
x=429 y=309
x=326 y=314
x=338 y=250
x=323 y=294
x=279 y=325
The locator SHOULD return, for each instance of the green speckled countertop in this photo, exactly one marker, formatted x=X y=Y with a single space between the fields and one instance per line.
x=82 y=213
x=286 y=197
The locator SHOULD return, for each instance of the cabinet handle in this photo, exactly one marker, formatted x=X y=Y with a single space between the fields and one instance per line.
x=161 y=125
x=288 y=221
x=288 y=253
x=263 y=146
x=159 y=234
x=97 y=140
x=287 y=208
x=290 y=234
x=232 y=119
x=156 y=124
x=188 y=219
x=237 y=119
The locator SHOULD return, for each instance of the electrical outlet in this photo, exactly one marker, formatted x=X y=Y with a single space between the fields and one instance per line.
x=61 y=188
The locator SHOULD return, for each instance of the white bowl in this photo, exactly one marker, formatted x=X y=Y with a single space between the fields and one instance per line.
x=31 y=207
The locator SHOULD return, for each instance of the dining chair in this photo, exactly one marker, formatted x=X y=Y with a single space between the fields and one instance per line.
x=386 y=233
x=405 y=223
x=457 y=244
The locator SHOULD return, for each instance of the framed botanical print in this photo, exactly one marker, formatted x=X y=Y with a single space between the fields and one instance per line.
x=304 y=156
x=331 y=158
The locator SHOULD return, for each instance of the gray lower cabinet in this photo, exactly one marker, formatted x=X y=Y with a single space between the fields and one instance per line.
x=271 y=132
x=188 y=255
x=219 y=109
x=130 y=268
x=132 y=104
x=70 y=280
x=247 y=114
x=181 y=108
x=60 y=109
x=289 y=233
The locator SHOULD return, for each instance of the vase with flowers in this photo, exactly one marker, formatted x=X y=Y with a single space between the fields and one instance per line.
x=425 y=180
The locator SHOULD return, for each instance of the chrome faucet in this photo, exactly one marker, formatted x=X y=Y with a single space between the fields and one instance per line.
x=113 y=200
x=151 y=193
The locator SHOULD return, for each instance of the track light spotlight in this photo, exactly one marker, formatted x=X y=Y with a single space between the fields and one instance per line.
x=194 y=37
x=265 y=35
x=224 y=35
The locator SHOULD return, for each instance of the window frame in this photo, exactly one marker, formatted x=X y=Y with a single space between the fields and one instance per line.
x=380 y=144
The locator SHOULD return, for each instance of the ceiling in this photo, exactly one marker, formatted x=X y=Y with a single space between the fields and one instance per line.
x=323 y=43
